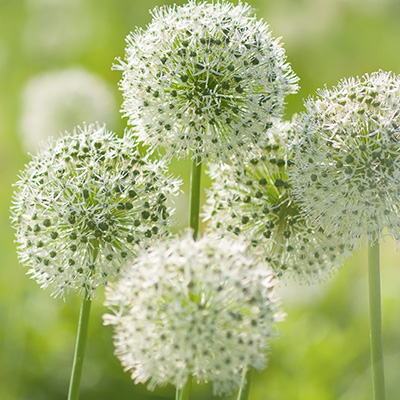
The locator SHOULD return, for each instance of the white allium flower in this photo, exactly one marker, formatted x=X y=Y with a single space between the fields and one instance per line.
x=255 y=201
x=59 y=100
x=84 y=204
x=206 y=78
x=347 y=162
x=193 y=308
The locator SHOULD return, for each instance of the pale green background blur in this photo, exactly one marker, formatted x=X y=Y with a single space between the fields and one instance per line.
x=323 y=351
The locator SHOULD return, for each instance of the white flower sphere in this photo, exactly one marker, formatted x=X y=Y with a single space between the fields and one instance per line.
x=255 y=201
x=206 y=78
x=193 y=308
x=57 y=101
x=347 y=162
x=83 y=205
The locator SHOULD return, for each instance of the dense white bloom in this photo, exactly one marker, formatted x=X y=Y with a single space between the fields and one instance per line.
x=59 y=100
x=83 y=204
x=203 y=308
x=205 y=77
x=255 y=201
x=347 y=162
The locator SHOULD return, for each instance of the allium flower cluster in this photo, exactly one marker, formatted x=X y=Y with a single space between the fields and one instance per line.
x=203 y=308
x=57 y=101
x=83 y=204
x=255 y=201
x=347 y=162
x=206 y=78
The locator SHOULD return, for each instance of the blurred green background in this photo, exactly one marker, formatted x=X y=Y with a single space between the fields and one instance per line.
x=323 y=351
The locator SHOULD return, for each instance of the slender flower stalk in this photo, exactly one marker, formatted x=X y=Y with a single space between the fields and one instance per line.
x=184 y=393
x=378 y=373
x=79 y=354
x=195 y=190
x=245 y=386
x=194 y=213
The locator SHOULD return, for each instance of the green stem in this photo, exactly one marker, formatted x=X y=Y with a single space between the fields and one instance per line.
x=74 y=383
x=194 y=211
x=245 y=384
x=184 y=393
x=376 y=322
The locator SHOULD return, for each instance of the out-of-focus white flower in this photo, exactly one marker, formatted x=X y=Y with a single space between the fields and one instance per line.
x=193 y=308
x=347 y=161
x=57 y=101
x=56 y=29
x=255 y=201
x=205 y=78
x=84 y=204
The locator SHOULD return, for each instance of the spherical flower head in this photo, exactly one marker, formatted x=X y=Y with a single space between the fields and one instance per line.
x=83 y=205
x=255 y=202
x=347 y=162
x=185 y=308
x=59 y=100
x=206 y=78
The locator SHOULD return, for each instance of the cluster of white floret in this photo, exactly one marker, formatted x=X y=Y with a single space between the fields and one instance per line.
x=193 y=308
x=256 y=202
x=85 y=203
x=346 y=175
x=205 y=78
x=210 y=80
